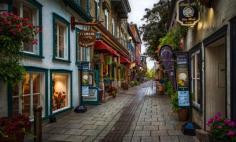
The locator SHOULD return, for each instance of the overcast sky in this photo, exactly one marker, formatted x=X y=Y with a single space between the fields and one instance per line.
x=137 y=12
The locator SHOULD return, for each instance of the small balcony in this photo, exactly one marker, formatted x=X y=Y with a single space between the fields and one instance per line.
x=123 y=42
x=123 y=7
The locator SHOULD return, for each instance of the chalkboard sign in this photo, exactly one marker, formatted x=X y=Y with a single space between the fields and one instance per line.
x=183 y=99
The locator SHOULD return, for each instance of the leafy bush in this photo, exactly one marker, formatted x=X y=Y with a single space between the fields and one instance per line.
x=174 y=101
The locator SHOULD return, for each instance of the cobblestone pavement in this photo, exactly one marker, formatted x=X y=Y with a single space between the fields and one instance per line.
x=136 y=115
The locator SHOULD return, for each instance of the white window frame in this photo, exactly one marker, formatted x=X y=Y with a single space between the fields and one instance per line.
x=42 y=94
x=66 y=48
x=106 y=13
x=35 y=23
x=195 y=79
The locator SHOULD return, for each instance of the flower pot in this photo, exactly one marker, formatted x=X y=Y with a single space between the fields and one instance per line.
x=183 y=114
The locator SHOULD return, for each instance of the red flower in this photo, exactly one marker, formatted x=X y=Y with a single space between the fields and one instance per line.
x=231 y=133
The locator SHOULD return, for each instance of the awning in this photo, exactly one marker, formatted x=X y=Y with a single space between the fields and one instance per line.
x=103 y=47
x=124 y=60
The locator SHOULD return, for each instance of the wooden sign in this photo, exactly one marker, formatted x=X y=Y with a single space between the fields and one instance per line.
x=87 y=38
x=187 y=13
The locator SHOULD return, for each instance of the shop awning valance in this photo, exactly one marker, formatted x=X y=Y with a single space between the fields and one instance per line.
x=124 y=60
x=103 y=47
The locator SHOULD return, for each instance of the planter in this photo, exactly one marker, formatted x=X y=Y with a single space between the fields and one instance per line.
x=183 y=114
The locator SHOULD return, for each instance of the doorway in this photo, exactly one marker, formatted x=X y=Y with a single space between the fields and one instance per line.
x=215 y=75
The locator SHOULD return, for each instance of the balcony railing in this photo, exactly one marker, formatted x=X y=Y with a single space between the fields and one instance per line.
x=123 y=42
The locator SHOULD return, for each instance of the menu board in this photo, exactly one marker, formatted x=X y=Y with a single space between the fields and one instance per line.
x=183 y=98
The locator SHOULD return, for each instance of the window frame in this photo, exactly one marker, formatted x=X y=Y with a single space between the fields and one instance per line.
x=38 y=7
x=70 y=94
x=194 y=78
x=56 y=19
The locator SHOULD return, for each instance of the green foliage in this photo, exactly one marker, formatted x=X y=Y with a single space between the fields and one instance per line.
x=156 y=27
x=169 y=88
x=150 y=74
x=134 y=83
x=174 y=101
x=173 y=37
x=10 y=69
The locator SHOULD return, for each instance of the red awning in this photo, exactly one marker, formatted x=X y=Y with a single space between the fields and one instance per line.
x=124 y=60
x=102 y=46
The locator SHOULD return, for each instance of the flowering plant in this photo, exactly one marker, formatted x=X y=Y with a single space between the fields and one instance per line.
x=222 y=128
x=15 y=127
x=14 y=31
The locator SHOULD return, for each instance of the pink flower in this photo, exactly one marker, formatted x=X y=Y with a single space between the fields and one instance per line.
x=231 y=133
x=231 y=124
x=219 y=127
x=211 y=120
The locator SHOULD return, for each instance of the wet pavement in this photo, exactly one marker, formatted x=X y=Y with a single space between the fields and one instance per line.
x=136 y=115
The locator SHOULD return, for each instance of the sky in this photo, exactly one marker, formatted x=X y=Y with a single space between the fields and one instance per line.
x=135 y=16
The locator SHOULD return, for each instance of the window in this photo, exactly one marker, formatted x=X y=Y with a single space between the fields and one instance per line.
x=61 y=91
x=85 y=54
x=113 y=27
x=29 y=93
x=31 y=11
x=196 y=79
x=96 y=9
x=106 y=18
x=61 y=38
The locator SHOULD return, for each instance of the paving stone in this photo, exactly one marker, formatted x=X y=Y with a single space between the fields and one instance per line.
x=150 y=139
x=74 y=132
x=169 y=139
x=127 y=139
x=136 y=139
x=89 y=127
x=186 y=139
x=141 y=133
x=90 y=133
x=148 y=128
x=74 y=138
x=159 y=133
x=57 y=137
x=175 y=132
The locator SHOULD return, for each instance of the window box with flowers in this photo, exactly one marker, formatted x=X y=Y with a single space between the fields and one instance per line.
x=14 y=129
x=221 y=129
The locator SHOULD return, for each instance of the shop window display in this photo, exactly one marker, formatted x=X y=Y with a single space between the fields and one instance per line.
x=60 y=96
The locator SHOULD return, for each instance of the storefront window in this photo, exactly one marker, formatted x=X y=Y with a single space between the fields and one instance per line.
x=85 y=54
x=61 y=91
x=195 y=78
x=29 y=94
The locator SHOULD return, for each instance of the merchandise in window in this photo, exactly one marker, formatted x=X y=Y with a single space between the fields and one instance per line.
x=60 y=96
x=29 y=94
x=27 y=10
x=195 y=79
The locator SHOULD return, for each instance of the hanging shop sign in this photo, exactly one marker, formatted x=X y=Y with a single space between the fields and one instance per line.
x=167 y=60
x=182 y=79
x=187 y=13
x=87 y=38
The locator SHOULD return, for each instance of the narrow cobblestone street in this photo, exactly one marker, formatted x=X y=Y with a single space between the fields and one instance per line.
x=136 y=115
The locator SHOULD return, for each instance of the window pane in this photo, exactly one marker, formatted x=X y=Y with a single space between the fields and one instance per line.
x=30 y=13
x=198 y=91
x=60 y=91
x=198 y=65
x=26 y=105
x=36 y=83
x=61 y=40
x=26 y=84
x=15 y=100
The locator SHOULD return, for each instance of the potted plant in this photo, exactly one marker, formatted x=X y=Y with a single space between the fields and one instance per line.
x=14 y=129
x=221 y=129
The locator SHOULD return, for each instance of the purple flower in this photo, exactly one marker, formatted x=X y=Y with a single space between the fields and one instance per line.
x=231 y=124
x=231 y=133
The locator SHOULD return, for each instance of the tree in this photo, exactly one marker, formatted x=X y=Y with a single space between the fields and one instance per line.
x=156 y=20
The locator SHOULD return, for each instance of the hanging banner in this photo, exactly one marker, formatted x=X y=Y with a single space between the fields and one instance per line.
x=187 y=13
x=87 y=38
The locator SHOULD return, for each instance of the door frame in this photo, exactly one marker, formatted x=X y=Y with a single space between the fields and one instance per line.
x=221 y=33
x=233 y=68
